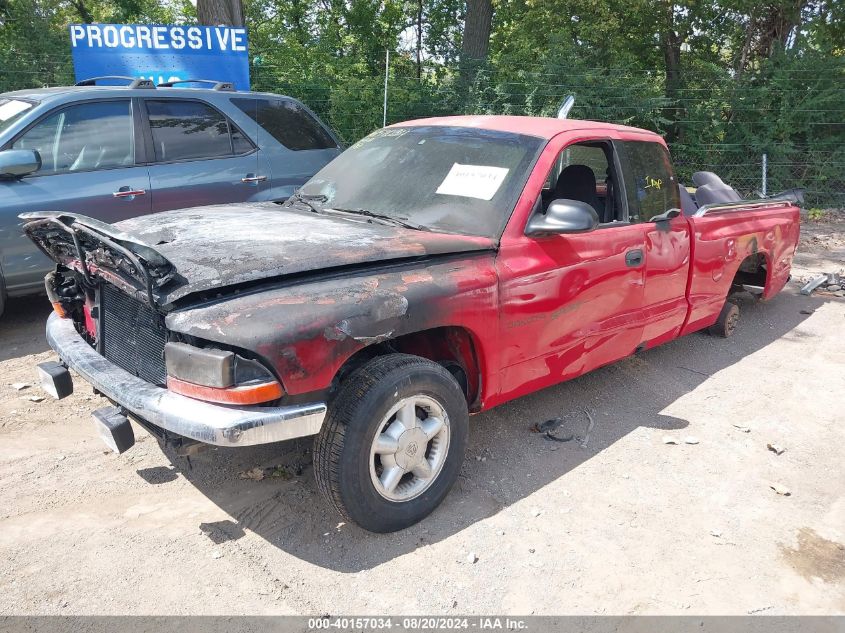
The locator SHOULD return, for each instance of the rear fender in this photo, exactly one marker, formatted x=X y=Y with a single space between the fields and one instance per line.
x=721 y=242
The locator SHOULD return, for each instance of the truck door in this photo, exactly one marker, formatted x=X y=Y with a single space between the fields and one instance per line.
x=570 y=303
x=651 y=190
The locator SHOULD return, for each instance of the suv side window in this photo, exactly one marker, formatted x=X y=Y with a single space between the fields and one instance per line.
x=185 y=130
x=287 y=122
x=83 y=137
x=650 y=183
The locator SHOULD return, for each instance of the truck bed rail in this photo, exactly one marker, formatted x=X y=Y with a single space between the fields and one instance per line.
x=787 y=199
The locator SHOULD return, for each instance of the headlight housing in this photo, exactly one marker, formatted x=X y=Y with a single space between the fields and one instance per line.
x=217 y=375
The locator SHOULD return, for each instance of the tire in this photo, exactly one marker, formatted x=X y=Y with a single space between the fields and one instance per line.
x=726 y=324
x=398 y=399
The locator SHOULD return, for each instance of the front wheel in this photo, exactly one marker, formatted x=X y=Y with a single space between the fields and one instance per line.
x=393 y=442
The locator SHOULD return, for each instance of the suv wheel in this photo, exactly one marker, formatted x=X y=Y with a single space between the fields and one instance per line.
x=393 y=442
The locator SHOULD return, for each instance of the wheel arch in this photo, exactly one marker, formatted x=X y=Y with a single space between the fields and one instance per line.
x=753 y=270
x=454 y=347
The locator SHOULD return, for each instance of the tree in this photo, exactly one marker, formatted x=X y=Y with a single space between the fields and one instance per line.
x=220 y=12
x=477 y=26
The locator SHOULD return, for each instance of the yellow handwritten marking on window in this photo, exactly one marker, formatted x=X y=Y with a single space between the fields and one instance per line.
x=653 y=183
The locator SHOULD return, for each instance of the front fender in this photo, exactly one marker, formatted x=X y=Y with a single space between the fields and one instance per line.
x=307 y=331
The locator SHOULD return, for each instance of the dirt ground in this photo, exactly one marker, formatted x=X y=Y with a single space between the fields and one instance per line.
x=626 y=524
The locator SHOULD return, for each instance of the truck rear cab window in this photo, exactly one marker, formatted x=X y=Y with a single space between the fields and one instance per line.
x=287 y=122
x=83 y=137
x=185 y=130
x=650 y=182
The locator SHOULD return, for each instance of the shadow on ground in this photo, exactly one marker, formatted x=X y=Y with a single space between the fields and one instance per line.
x=22 y=327
x=287 y=510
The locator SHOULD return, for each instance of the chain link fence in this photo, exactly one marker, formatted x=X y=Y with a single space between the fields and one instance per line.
x=811 y=157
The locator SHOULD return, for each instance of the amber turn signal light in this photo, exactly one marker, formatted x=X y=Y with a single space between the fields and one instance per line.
x=242 y=394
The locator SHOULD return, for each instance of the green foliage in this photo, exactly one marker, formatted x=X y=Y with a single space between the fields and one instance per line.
x=34 y=39
x=725 y=80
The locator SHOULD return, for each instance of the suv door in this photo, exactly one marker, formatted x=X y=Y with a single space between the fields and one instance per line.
x=89 y=166
x=652 y=190
x=198 y=156
x=295 y=143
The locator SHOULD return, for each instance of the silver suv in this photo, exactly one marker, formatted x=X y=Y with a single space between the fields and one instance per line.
x=114 y=152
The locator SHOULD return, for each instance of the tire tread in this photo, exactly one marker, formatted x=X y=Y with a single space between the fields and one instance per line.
x=329 y=442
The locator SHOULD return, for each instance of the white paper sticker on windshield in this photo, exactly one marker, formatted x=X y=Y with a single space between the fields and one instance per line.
x=473 y=181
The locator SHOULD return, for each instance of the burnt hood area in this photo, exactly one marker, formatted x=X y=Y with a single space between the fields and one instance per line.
x=228 y=245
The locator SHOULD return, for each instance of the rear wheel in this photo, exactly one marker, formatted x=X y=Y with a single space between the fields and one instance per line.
x=393 y=442
x=728 y=319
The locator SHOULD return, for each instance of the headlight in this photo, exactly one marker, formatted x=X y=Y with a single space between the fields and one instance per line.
x=216 y=375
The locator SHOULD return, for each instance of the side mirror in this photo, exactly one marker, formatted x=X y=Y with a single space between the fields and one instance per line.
x=563 y=216
x=15 y=163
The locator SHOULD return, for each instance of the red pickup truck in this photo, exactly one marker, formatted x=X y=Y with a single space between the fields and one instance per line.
x=435 y=269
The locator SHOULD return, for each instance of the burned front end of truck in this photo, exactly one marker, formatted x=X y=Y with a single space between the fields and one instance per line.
x=108 y=325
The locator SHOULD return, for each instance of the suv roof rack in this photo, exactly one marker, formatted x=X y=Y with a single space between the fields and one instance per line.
x=134 y=82
x=225 y=86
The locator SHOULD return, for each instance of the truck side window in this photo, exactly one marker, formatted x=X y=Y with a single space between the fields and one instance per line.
x=650 y=182
x=585 y=172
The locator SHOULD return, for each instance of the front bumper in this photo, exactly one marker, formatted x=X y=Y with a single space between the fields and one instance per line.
x=195 y=419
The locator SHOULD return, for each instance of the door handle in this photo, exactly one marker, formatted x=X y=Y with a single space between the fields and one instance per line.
x=634 y=258
x=128 y=192
x=250 y=178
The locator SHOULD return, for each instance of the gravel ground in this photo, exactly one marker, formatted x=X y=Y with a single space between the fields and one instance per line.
x=625 y=524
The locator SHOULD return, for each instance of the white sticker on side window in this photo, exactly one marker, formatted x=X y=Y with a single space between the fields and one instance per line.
x=11 y=108
x=473 y=181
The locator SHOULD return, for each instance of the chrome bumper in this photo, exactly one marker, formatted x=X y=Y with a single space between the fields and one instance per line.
x=198 y=420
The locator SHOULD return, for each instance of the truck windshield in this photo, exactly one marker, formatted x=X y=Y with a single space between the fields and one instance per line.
x=11 y=110
x=449 y=179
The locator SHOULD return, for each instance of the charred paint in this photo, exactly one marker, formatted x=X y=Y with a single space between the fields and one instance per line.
x=222 y=247
x=308 y=331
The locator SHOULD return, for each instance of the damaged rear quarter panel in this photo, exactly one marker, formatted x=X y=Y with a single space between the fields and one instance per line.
x=307 y=330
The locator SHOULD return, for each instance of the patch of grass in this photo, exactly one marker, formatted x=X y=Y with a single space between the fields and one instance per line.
x=815 y=214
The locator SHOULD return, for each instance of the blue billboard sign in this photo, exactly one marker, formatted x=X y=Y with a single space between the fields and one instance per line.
x=161 y=52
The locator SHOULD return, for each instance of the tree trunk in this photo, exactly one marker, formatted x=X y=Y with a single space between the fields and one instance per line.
x=220 y=12
x=671 y=42
x=476 y=39
x=745 y=52
x=83 y=11
x=419 y=26
x=477 y=25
